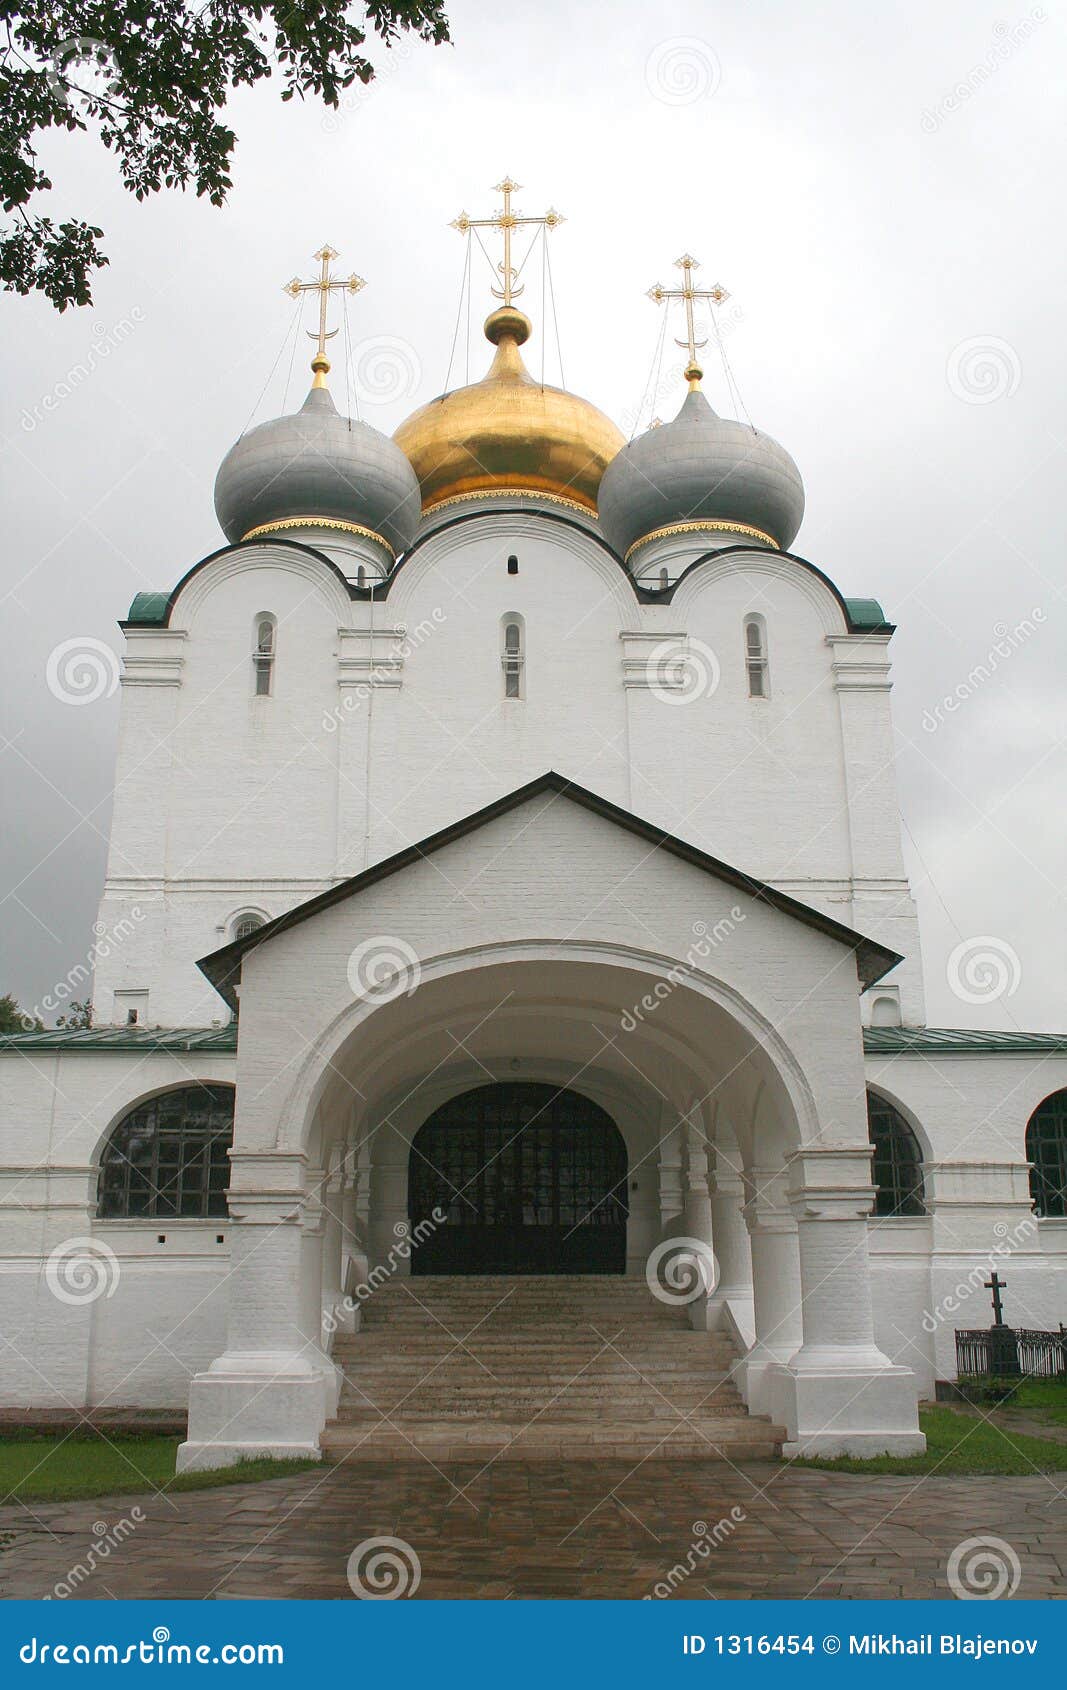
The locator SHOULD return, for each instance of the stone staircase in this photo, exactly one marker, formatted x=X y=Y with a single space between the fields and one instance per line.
x=471 y=1368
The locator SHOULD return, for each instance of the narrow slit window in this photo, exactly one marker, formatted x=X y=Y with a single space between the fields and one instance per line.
x=263 y=656
x=513 y=565
x=756 y=657
x=513 y=658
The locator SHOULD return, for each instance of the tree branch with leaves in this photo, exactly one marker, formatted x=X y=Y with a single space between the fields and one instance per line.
x=150 y=78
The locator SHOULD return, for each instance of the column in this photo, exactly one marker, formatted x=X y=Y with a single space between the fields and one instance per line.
x=267 y=1394
x=839 y=1395
x=731 y=1243
x=776 y=1311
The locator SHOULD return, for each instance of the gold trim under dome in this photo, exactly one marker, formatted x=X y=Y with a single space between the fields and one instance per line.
x=319 y=522
x=711 y=526
x=508 y=493
x=508 y=434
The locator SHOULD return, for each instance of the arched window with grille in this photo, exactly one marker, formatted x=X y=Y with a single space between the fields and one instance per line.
x=513 y=656
x=1046 y=1152
x=245 y=924
x=757 y=664
x=263 y=655
x=168 y=1158
x=897 y=1163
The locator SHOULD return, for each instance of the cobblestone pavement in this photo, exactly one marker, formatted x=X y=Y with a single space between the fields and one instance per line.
x=545 y=1529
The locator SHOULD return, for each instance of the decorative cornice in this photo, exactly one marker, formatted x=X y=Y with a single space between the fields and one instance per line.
x=712 y=525
x=318 y=522
x=508 y=493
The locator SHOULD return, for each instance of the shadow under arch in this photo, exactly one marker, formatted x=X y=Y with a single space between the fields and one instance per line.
x=756 y=1039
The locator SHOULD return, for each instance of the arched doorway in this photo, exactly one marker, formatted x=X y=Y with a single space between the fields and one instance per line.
x=532 y=1179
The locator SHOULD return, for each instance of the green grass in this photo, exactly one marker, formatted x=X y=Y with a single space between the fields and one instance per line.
x=53 y=1469
x=1040 y=1399
x=961 y=1443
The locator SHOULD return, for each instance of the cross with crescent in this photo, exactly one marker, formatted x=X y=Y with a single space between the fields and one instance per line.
x=507 y=220
x=717 y=295
x=324 y=285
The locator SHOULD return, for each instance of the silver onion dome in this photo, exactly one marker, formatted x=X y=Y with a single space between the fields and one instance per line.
x=321 y=466
x=703 y=471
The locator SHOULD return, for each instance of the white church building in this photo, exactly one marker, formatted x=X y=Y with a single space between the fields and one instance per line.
x=508 y=928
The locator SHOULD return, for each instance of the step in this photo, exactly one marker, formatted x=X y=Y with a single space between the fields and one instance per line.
x=746 y=1439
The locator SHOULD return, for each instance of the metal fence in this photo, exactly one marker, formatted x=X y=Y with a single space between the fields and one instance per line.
x=1011 y=1350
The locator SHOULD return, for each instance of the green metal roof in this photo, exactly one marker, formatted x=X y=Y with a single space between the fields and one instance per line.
x=862 y=613
x=901 y=1041
x=149 y=607
x=209 y=1041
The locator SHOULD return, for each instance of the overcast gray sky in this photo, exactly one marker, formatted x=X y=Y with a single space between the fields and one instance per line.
x=881 y=191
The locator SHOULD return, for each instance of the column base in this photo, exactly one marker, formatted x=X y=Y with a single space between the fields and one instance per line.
x=249 y=1407
x=831 y=1406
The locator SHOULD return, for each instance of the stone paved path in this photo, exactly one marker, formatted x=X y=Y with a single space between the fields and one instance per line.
x=546 y=1529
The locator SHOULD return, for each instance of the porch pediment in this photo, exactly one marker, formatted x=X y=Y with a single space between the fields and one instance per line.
x=552 y=852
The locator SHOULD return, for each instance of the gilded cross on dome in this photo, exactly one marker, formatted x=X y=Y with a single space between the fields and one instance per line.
x=687 y=292
x=324 y=285
x=506 y=220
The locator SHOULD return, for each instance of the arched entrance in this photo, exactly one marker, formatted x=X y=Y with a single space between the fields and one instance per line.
x=532 y=1179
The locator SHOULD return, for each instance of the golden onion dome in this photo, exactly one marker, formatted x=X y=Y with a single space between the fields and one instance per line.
x=508 y=434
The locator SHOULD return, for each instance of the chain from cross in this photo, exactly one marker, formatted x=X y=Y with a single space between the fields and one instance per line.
x=687 y=292
x=507 y=220
x=324 y=285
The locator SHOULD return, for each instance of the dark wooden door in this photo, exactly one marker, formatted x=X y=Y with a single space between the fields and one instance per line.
x=532 y=1179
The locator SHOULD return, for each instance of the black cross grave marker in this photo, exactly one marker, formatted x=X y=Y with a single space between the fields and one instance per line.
x=995 y=1284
